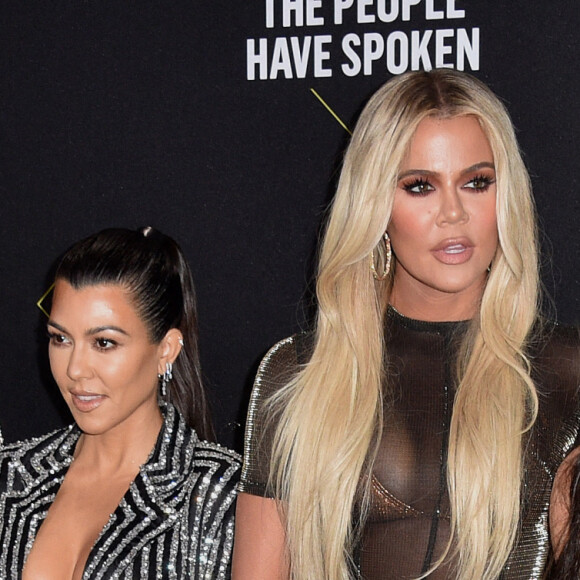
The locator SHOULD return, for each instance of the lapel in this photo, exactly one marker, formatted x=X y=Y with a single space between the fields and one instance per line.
x=154 y=504
x=157 y=500
x=35 y=471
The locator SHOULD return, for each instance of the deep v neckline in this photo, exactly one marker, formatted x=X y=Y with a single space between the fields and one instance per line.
x=66 y=452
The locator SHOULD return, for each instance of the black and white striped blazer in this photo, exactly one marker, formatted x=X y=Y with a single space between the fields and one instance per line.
x=176 y=521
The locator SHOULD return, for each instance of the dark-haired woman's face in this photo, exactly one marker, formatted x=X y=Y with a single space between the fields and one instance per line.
x=102 y=358
x=443 y=226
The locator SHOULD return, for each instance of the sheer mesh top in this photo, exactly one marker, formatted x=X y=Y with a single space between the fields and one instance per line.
x=408 y=524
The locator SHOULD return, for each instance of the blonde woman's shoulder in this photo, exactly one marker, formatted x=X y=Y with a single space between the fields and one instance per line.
x=280 y=364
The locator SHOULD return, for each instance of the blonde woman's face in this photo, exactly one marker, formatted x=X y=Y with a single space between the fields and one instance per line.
x=443 y=227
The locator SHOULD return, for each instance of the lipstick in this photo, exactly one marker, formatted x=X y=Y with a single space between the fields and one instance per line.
x=86 y=402
x=453 y=251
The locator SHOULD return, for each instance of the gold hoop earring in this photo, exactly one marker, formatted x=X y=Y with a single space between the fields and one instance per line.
x=388 y=257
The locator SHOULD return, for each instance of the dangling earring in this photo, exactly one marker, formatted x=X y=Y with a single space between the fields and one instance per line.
x=165 y=378
x=388 y=257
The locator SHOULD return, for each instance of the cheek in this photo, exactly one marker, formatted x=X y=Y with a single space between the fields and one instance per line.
x=407 y=227
x=58 y=360
x=142 y=371
x=119 y=370
x=488 y=224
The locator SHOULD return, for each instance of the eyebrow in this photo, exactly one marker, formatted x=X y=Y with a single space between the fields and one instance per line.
x=471 y=168
x=90 y=331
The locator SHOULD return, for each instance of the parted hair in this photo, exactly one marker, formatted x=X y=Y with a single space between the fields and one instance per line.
x=154 y=271
x=329 y=417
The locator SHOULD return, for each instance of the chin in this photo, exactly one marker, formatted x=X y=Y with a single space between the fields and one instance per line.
x=91 y=427
x=90 y=423
x=460 y=284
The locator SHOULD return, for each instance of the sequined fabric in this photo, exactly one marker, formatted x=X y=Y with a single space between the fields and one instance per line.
x=409 y=509
x=175 y=522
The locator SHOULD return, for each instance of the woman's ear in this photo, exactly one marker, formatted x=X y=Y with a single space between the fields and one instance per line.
x=169 y=348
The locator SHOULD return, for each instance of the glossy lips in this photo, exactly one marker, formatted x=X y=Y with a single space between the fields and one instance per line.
x=453 y=251
x=86 y=402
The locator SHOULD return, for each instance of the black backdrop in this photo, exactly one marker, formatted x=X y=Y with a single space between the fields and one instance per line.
x=118 y=114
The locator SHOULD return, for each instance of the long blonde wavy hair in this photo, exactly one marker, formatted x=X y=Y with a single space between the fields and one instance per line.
x=330 y=415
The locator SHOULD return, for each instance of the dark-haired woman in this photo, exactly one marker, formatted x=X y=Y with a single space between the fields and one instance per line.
x=131 y=489
x=565 y=520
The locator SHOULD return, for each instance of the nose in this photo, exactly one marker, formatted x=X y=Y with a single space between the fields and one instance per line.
x=451 y=209
x=78 y=364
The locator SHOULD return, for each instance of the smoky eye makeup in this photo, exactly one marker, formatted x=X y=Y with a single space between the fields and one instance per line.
x=418 y=186
x=480 y=182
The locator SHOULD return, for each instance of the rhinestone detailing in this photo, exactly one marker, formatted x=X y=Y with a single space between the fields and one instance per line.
x=176 y=520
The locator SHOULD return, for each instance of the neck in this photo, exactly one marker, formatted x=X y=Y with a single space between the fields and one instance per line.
x=435 y=306
x=121 y=449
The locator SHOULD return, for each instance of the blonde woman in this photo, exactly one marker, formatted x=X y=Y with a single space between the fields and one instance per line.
x=417 y=430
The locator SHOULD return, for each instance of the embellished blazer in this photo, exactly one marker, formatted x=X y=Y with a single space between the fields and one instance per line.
x=176 y=521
